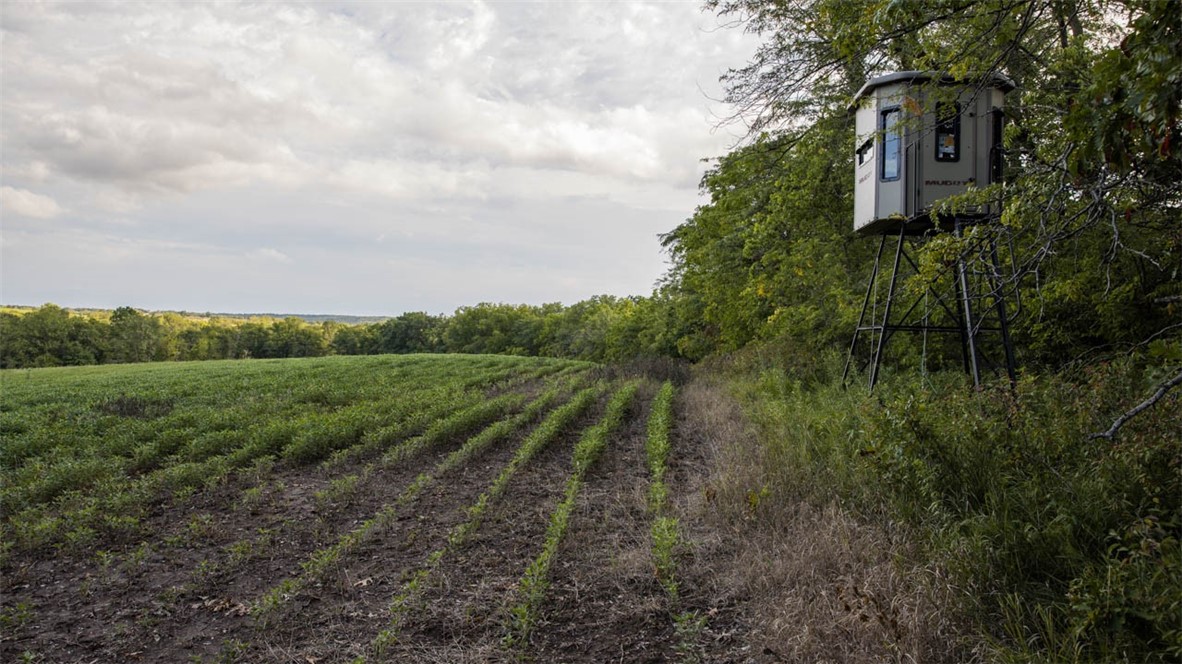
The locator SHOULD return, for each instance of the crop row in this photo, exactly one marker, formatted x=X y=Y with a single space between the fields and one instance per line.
x=108 y=475
x=535 y=442
x=320 y=561
x=664 y=528
x=665 y=531
x=534 y=582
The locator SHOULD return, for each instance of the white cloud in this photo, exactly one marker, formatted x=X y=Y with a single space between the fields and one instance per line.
x=28 y=204
x=269 y=255
x=221 y=125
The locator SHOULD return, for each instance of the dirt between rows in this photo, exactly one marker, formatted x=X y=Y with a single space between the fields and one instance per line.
x=183 y=594
x=340 y=620
x=604 y=602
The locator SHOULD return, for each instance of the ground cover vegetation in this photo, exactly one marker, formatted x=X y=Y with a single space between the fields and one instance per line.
x=303 y=508
x=767 y=512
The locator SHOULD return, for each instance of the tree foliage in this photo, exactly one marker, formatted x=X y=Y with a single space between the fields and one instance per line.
x=602 y=328
x=1092 y=197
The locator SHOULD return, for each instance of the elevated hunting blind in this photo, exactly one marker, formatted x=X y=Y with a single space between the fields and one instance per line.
x=922 y=138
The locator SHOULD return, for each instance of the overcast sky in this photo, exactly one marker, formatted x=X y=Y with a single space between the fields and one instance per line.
x=368 y=158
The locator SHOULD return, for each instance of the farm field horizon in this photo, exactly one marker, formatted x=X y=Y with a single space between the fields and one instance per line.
x=385 y=508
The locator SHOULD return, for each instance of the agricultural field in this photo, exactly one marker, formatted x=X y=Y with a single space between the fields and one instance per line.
x=378 y=508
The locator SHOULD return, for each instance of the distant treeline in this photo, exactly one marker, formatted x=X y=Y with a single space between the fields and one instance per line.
x=602 y=328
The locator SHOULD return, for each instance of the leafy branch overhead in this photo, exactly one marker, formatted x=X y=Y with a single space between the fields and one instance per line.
x=1092 y=225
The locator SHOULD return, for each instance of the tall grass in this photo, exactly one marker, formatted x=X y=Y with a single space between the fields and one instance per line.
x=1068 y=545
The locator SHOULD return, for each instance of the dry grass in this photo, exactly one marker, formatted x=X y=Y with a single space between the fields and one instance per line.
x=800 y=582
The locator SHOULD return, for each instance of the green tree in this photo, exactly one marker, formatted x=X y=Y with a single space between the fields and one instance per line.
x=354 y=340
x=49 y=336
x=411 y=332
x=1094 y=192
x=292 y=337
x=254 y=340
x=135 y=337
x=494 y=328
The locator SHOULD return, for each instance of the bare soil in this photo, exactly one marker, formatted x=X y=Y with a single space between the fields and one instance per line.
x=818 y=586
x=604 y=602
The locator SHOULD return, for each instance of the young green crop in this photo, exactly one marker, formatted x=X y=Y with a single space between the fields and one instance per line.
x=83 y=443
x=532 y=587
x=323 y=560
x=537 y=440
x=665 y=529
x=657 y=446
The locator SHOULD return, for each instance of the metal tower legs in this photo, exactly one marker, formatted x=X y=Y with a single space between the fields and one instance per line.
x=976 y=297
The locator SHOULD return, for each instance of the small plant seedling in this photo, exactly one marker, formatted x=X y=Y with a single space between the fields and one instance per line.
x=105 y=558
x=200 y=526
x=251 y=498
x=688 y=626
x=15 y=617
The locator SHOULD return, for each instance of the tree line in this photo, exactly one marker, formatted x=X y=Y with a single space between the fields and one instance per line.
x=601 y=329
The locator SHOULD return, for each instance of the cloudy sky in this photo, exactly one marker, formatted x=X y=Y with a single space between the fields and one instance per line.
x=366 y=158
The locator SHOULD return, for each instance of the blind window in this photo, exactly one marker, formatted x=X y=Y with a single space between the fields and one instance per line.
x=947 y=132
x=892 y=145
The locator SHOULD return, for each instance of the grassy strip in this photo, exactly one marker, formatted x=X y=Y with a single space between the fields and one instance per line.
x=534 y=583
x=323 y=560
x=537 y=440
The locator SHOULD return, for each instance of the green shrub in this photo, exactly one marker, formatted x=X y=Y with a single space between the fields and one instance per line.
x=1069 y=542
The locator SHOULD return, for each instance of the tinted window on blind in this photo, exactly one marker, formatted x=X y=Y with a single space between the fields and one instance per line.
x=947 y=132
x=892 y=145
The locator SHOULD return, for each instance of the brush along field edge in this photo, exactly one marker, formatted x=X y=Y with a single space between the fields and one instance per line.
x=320 y=561
x=532 y=588
x=538 y=439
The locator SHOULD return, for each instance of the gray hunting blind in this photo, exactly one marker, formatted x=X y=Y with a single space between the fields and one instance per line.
x=922 y=138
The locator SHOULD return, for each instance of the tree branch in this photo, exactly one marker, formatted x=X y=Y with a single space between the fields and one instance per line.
x=1157 y=396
